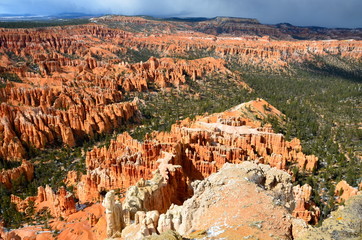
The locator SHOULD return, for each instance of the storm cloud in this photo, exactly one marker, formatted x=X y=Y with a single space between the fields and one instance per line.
x=328 y=13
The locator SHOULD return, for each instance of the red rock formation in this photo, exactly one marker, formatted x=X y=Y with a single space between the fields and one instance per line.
x=151 y=194
x=7 y=177
x=73 y=89
x=169 y=185
x=304 y=207
x=57 y=117
x=344 y=191
x=60 y=204
x=76 y=226
x=201 y=147
x=120 y=165
x=74 y=79
x=168 y=72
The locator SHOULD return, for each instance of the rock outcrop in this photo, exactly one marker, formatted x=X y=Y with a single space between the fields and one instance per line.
x=169 y=185
x=60 y=204
x=344 y=223
x=200 y=147
x=144 y=201
x=114 y=215
x=344 y=191
x=119 y=166
x=40 y=126
x=70 y=84
x=206 y=210
x=26 y=170
x=221 y=206
x=305 y=208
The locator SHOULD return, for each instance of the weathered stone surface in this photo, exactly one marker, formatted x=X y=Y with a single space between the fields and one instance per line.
x=60 y=204
x=200 y=147
x=26 y=169
x=344 y=223
x=74 y=90
x=222 y=203
x=305 y=208
x=213 y=197
x=113 y=214
x=74 y=86
x=344 y=191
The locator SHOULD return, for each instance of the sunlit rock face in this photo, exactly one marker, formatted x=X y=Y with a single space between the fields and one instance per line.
x=64 y=86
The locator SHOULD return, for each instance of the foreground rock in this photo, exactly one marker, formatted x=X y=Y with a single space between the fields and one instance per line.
x=85 y=224
x=246 y=200
x=241 y=200
x=345 y=223
x=344 y=191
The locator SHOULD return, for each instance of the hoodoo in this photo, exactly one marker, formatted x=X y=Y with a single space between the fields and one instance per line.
x=121 y=127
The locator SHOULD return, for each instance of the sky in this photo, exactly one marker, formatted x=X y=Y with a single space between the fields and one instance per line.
x=326 y=13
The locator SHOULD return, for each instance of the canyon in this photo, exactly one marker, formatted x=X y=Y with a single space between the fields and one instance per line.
x=166 y=170
x=91 y=88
